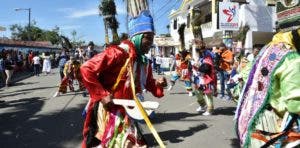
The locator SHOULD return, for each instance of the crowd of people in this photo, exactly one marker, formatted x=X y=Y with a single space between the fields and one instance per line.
x=14 y=62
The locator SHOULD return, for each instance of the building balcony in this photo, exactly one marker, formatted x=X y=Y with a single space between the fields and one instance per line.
x=207 y=30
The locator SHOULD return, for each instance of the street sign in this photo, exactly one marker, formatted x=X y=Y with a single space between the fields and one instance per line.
x=228 y=16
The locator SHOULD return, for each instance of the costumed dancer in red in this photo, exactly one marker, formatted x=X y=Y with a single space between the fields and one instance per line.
x=107 y=124
x=183 y=66
x=205 y=79
x=71 y=73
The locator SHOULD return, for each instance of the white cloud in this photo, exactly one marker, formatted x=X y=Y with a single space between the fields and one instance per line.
x=65 y=9
x=83 y=13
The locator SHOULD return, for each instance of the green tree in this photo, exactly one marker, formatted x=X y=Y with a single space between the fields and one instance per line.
x=75 y=41
x=74 y=33
x=36 y=33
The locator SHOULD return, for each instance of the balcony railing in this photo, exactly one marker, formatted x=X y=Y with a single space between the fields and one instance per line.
x=206 y=26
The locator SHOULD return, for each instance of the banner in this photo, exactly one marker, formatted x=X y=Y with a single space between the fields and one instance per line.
x=228 y=16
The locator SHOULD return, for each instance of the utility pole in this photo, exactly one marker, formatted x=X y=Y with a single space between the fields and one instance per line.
x=29 y=19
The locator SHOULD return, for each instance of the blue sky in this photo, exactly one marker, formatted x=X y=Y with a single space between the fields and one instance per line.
x=79 y=15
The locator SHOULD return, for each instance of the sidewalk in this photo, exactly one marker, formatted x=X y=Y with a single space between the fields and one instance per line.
x=18 y=76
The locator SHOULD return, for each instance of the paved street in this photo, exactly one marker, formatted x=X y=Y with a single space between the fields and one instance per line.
x=30 y=117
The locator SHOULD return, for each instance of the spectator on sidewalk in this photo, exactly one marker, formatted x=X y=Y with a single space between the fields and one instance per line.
x=61 y=65
x=90 y=52
x=225 y=67
x=29 y=60
x=158 y=63
x=172 y=62
x=9 y=69
x=2 y=70
x=19 y=62
x=36 y=65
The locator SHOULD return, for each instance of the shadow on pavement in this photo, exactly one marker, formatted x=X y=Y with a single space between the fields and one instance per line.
x=22 y=83
x=229 y=111
x=24 y=90
x=164 y=117
x=23 y=126
x=174 y=136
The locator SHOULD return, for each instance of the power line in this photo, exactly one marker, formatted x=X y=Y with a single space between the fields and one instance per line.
x=166 y=11
x=161 y=8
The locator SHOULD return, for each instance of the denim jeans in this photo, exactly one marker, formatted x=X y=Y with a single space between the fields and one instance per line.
x=36 y=68
x=223 y=78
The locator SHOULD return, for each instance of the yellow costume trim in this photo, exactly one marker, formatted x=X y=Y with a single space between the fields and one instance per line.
x=284 y=37
x=139 y=105
x=120 y=75
x=143 y=112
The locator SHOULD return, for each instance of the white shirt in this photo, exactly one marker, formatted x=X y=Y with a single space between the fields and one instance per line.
x=36 y=60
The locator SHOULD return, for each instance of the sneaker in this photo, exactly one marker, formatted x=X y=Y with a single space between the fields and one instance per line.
x=170 y=88
x=56 y=94
x=221 y=97
x=84 y=94
x=227 y=98
x=206 y=113
x=200 y=109
x=191 y=94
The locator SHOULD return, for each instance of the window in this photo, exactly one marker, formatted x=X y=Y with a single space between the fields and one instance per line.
x=208 y=18
x=175 y=24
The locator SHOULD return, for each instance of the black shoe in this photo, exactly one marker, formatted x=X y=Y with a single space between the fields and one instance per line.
x=84 y=94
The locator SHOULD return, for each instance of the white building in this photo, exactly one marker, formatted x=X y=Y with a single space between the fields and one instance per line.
x=204 y=13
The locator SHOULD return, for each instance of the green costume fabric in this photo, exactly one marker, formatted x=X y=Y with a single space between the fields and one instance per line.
x=205 y=100
x=286 y=88
x=246 y=70
x=137 y=41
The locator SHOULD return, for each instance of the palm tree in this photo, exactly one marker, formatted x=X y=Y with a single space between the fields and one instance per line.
x=108 y=12
x=101 y=13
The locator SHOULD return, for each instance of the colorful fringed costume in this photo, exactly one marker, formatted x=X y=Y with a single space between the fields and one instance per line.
x=183 y=71
x=106 y=74
x=269 y=105
x=71 y=73
x=205 y=81
x=271 y=91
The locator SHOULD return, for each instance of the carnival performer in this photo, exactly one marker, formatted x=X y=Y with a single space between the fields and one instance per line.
x=205 y=79
x=107 y=76
x=71 y=73
x=269 y=105
x=183 y=67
